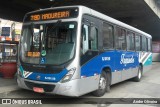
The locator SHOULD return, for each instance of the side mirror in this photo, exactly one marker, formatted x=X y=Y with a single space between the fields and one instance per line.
x=92 y=33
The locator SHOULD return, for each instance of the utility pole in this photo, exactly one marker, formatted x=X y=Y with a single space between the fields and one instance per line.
x=13 y=31
x=0 y=28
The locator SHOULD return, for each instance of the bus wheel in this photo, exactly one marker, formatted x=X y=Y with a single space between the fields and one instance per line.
x=103 y=85
x=139 y=75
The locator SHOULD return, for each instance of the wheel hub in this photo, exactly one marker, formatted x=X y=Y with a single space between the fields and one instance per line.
x=102 y=83
x=139 y=75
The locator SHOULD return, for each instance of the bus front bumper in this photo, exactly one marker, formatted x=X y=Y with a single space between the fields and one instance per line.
x=67 y=89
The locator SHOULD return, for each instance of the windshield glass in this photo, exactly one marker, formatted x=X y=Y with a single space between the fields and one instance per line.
x=48 y=43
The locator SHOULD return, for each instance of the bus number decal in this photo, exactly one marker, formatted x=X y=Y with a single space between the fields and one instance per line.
x=50 y=78
x=35 y=17
x=106 y=58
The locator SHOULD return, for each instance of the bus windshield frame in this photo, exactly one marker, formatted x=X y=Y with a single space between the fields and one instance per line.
x=36 y=45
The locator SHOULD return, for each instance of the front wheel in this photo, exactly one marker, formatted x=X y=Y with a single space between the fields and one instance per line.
x=104 y=85
x=139 y=75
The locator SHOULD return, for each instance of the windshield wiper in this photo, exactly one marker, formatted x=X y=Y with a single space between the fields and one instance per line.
x=43 y=37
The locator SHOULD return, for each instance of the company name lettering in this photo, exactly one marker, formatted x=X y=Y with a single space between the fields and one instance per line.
x=126 y=60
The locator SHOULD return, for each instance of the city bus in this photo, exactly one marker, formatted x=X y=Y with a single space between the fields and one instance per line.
x=75 y=50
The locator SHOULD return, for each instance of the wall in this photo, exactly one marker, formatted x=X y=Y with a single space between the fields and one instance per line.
x=156 y=50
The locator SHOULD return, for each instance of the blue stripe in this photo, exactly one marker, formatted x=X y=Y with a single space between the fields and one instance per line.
x=115 y=60
x=46 y=77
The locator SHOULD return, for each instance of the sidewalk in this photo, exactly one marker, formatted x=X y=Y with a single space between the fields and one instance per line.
x=7 y=86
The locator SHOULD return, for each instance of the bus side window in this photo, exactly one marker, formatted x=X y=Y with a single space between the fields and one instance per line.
x=120 y=39
x=94 y=43
x=84 y=39
x=144 y=43
x=130 y=41
x=138 y=42
x=107 y=36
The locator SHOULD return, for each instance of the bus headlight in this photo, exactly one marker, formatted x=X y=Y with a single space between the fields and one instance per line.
x=69 y=75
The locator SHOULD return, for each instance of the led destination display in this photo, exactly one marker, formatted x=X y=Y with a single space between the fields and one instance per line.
x=52 y=14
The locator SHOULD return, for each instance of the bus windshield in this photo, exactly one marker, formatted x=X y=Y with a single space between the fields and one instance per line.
x=52 y=43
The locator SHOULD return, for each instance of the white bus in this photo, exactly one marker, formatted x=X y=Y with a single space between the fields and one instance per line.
x=74 y=50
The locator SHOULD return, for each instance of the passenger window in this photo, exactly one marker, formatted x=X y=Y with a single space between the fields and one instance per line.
x=120 y=39
x=138 y=42
x=107 y=36
x=130 y=41
x=144 y=43
x=94 y=43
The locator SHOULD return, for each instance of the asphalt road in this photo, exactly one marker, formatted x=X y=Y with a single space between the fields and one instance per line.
x=148 y=87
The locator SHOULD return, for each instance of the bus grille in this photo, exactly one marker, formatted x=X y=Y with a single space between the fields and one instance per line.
x=46 y=87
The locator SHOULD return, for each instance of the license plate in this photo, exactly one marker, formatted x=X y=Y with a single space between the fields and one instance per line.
x=37 y=89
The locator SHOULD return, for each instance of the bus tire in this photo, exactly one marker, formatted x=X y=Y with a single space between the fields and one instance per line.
x=139 y=75
x=104 y=85
x=108 y=82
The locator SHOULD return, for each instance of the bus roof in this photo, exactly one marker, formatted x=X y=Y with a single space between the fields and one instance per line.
x=86 y=10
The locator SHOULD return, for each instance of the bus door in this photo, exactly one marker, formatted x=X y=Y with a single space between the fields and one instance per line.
x=89 y=54
x=89 y=47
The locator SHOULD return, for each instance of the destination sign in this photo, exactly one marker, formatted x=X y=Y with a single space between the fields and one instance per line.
x=33 y=54
x=50 y=14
